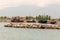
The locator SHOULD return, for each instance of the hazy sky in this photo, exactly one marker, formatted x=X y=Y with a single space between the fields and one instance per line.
x=14 y=3
x=41 y=3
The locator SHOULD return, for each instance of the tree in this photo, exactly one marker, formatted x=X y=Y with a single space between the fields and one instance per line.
x=49 y=17
x=44 y=17
x=5 y=17
x=1 y=17
x=29 y=17
x=38 y=17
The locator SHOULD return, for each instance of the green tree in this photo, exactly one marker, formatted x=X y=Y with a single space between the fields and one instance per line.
x=44 y=17
x=5 y=17
x=29 y=17
x=1 y=17
x=49 y=17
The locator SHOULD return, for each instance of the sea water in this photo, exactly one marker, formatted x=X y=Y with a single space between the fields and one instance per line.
x=7 y=33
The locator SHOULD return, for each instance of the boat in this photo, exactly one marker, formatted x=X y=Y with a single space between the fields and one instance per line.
x=42 y=21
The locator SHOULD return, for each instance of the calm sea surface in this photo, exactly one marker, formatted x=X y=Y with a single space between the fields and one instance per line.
x=28 y=34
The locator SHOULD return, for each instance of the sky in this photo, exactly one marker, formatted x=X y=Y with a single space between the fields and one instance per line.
x=41 y=3
x=15 y=3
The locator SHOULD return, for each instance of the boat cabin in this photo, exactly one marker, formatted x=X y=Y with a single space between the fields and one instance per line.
x=42 y=21
x=53 y=22
x=17 y=19
x=31 y=21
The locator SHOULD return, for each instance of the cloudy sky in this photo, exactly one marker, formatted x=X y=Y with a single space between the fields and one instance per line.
x=39 y=3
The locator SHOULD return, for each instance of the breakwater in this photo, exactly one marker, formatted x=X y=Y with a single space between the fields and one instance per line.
x=33 y=25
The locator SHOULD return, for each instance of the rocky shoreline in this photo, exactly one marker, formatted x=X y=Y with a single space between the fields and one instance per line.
x=32 y=25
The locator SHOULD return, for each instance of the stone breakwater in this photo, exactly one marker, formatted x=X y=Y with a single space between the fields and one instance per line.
x=33 y=25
